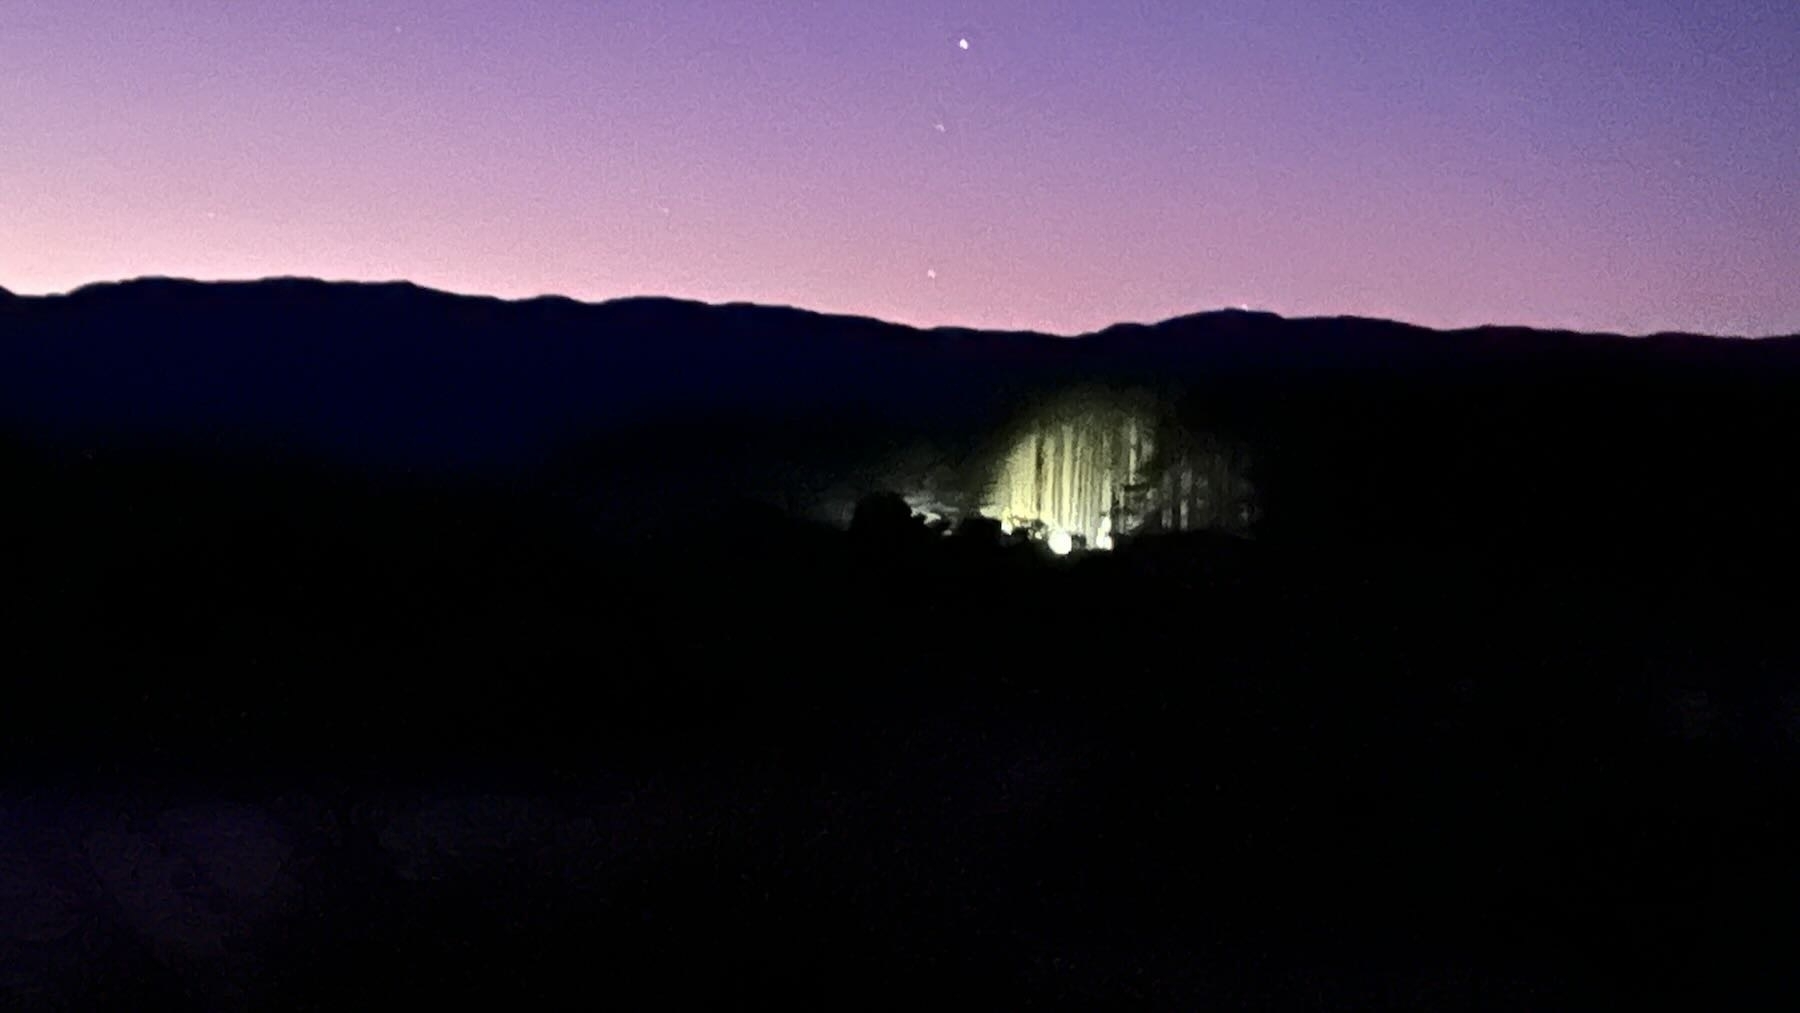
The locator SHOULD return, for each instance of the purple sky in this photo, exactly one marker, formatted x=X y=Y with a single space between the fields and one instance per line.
x=1597 y=164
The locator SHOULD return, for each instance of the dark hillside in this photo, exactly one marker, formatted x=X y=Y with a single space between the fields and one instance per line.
x=370 y=645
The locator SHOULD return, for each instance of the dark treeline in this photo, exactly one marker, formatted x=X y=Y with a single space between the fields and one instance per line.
x=1497 y=710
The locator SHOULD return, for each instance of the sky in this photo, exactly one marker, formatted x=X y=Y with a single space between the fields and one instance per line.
x=1625 y=165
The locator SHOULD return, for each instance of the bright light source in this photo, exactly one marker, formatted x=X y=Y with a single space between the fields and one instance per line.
x=1061 y=542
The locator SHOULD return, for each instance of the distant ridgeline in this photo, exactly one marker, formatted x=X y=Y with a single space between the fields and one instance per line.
x=664 y=413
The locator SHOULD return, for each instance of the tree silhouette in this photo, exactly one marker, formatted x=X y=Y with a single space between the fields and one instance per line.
x=885 y=523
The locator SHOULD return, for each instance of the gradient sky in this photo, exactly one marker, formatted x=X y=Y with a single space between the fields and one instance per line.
x=1596 y=164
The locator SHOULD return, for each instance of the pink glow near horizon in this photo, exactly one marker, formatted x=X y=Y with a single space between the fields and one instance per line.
x=1080 y=163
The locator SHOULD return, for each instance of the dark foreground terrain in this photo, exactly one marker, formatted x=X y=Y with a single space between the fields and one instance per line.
x=283 y=738
x=374 y=647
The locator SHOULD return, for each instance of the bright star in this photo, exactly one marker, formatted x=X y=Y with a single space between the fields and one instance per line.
x=964 y=43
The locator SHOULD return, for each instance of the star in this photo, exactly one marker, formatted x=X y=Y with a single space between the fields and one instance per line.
x=964 y=43
x=939 y=127
x=931 y=272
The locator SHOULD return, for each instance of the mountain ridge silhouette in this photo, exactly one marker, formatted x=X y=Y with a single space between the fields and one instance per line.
x=1358 y=428
x=1195 y=318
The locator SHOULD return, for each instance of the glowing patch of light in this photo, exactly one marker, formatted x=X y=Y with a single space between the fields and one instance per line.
x=1071 y=469
x=1087 y=470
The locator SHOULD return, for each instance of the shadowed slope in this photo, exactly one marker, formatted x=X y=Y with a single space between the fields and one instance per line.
x=1359 y=428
